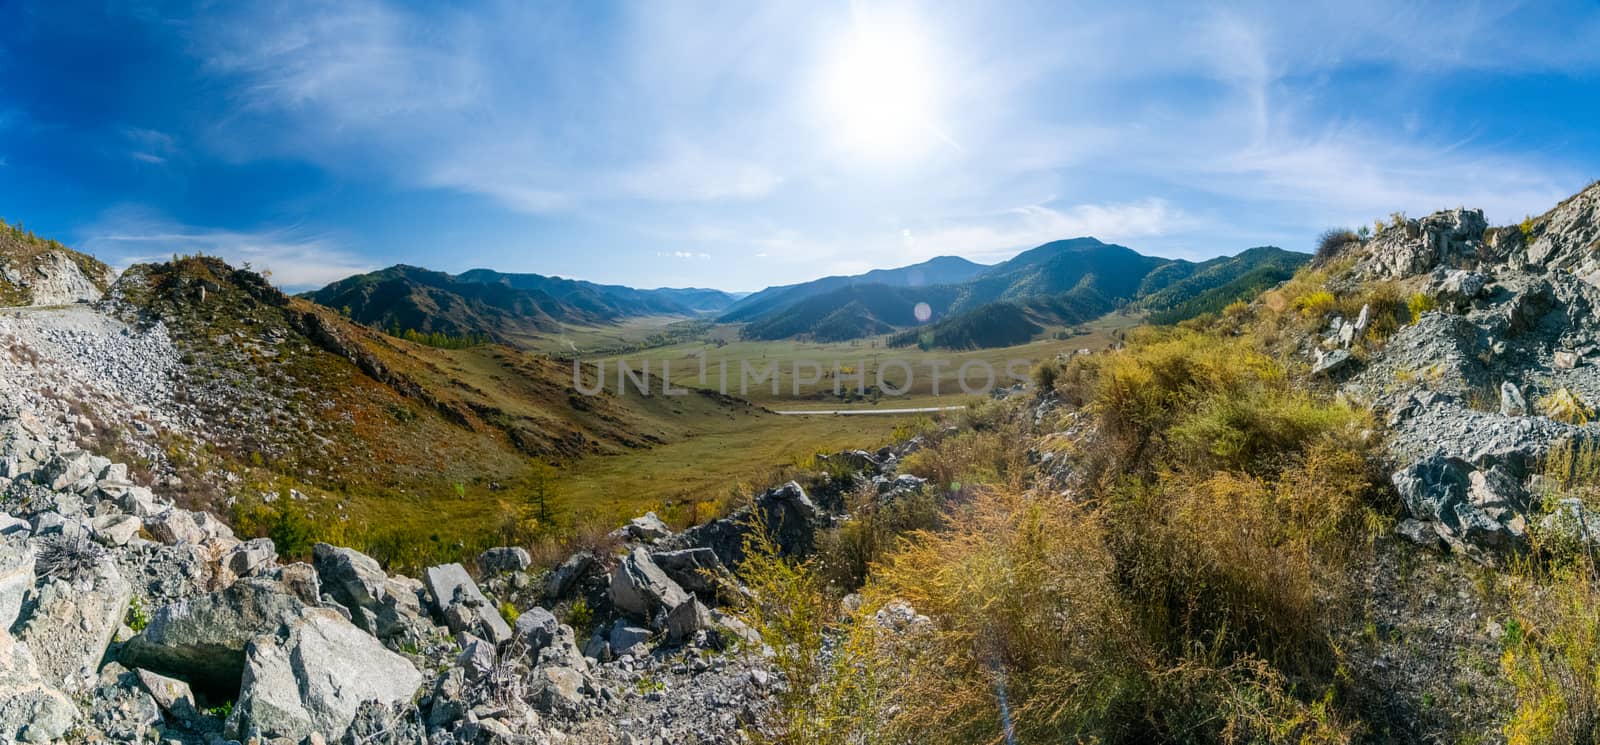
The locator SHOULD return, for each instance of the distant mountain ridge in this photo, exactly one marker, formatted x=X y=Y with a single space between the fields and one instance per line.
x=940 y=270
x=1061 y=282
x=505 y=307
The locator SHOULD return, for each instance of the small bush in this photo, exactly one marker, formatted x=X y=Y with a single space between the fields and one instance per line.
x=1333 y=242
x=138 y=618
x=1563 y=405
x=1315 y=304
x=580 y=616
x=1421 y=303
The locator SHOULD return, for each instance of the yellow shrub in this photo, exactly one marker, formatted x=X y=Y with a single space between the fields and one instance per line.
x=1563 y=405
x=1419 y=304
x=1315 y=304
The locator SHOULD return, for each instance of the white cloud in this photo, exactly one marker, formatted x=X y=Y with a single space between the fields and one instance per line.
x=297 y=259
x=150 y=146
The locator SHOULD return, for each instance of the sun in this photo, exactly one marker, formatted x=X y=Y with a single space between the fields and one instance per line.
x=878 y=91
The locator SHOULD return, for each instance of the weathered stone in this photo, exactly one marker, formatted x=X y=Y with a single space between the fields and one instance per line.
x=625 y=636
x=250 y=557
x=639 y=587
x=1332 y=362
x=203 y=639
x=504 y=560
x=71 y=625
x=175 y=526
x=559 y=689
x=1566 y=360
x=563 y=577
x=16 y=578
x=115 y=530
x=786 y=513
x=450 y=586
x=647 y=528
x=314 y=676
x=684 y=620
x=1511 y=401
x=171 y=694
x=31 y=709
x=536 y=627
x=697 y=570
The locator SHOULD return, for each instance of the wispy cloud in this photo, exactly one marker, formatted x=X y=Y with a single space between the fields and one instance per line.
x=150 y=146
x=295 y=258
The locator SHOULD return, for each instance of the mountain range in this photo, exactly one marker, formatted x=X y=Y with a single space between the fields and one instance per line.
x=946 y=301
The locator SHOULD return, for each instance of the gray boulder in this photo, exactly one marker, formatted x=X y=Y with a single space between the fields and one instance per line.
x=71 y=624
x=16 y=578
x=697 y=570
x=115 y=530
x=504 y=560
x=625 y=637
x=171 y=694
x=175 y=526
x=647 y=528
x=463 y=605
x=203 y=639
x=314 y=676
x=536 y=627
x=787 y=513
x=250 y=557
x=1511 y=401
x=640 y=588
x=684 y=620
x=1473 y=510
x=562 y=578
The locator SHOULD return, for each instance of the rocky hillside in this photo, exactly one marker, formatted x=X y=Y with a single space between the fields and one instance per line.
x=37 y=271
x=125 y=618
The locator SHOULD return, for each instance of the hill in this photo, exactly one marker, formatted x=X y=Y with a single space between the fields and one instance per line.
x=1182 y=289
x=611 y=301
x=505 y=308
x=852 y=312
x=940 y=270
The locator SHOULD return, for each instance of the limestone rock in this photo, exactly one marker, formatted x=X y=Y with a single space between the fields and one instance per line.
x=313 y=676
x=203 y=639
x=639 y=587
x=31 y=710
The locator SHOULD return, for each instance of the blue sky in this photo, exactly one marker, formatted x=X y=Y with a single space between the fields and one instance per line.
x=737 y=145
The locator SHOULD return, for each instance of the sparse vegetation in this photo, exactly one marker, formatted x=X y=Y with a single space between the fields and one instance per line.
x=1421 y=303
x=1333 y=242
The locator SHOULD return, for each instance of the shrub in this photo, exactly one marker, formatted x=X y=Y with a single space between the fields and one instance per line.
x=826 y=698
x=509 y=612
x=71 y=558
x=1526 y=226
x=1421 y=303
x=1315 y=304
x=1563 y=405
x=138 y=618
x=1333 y=242
x=874 y=529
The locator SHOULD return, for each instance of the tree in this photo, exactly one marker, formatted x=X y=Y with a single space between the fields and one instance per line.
x=541 y=491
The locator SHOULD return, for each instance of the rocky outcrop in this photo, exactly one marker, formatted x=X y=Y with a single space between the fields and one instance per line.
x=787 y=513
x=58 y=277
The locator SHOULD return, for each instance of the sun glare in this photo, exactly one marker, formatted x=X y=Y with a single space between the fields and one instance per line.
x=879 y=94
